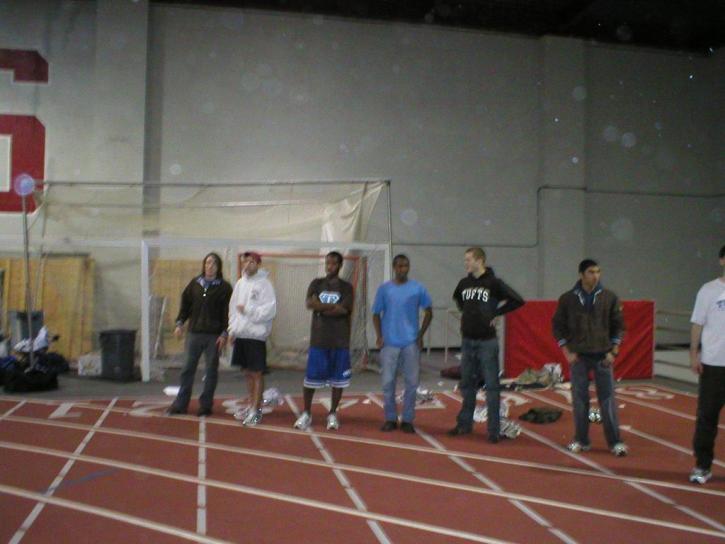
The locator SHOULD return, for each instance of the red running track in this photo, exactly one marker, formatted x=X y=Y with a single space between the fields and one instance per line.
x=118 y=470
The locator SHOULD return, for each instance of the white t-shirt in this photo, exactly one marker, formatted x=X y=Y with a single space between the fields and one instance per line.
x=710 y=313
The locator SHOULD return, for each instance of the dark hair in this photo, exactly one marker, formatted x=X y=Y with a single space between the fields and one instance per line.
x=337 y=256
x=586 y=263
x=478 y=253
x=722 y=252
x=218 y=260
x=399 y=257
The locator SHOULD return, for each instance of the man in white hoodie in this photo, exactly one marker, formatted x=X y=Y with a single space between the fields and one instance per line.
x=251 y=310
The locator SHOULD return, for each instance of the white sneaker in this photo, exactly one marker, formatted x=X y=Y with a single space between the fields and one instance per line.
x=578 y=447
x=303 y=422
x=332 y=422
x=253 y=417
x=700 y=475
x=242 y=413
x=620 y=449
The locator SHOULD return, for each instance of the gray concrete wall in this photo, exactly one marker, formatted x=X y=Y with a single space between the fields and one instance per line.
x=529 y=147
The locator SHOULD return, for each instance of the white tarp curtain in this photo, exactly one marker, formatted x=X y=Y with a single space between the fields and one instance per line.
x=326 y=211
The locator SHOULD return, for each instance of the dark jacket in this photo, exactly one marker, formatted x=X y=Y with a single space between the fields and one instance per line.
x=588 y=322
x=478 y=299
x=206 y=309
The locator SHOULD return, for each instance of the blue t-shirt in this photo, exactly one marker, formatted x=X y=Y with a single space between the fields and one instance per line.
x=399 y=306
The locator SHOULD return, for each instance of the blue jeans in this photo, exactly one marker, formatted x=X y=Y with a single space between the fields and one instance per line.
x=406 y=359
x=480 y=360
x=604 y=380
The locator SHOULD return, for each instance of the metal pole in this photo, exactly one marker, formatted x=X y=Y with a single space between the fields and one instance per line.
x=28 y=298
x=145 y=314
x=388 y=263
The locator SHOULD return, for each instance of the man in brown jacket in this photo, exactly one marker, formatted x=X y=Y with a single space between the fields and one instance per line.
x=588 y=326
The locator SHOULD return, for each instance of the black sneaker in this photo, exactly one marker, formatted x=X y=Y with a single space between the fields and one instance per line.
x=174 y=411
x=493 y=439
x=389 y=426
x=204 y=412
x=407 y=427
x=457 y=431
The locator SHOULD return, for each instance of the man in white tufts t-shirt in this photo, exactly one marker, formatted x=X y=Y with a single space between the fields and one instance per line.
x=708 y=327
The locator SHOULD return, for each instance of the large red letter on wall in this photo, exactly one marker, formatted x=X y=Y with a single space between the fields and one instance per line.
x=27 y=144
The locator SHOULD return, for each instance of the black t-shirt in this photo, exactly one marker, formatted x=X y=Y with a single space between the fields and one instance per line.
x=331 y=332
x=479 y=299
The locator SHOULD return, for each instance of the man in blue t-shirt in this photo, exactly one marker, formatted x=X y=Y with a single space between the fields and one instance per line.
x=400 y=339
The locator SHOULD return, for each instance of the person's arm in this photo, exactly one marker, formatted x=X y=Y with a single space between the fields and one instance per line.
x=695 y=337
x=379 y=308
x=457 y=298
x=427 y=318
x=560 y=329
x=427 y=304
x=224 y=315
x=312 y=302
x=512 y=300
x=379 y=340
x=616 y=330
x=184 y=311
x=344 y=307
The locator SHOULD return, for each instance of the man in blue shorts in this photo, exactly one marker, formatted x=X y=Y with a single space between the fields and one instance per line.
x=400 y=340
x=328 y=361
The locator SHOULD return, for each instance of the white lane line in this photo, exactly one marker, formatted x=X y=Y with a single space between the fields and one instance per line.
x=528 y=511
x=237 y=488
x=363 y=470
x=201 y=490
x=582 y=459
x=665 y=410
x=35 y=512
x=12 y=410
x=344 y=482
x=703 y=490
x=671 y=390
x=108 y=514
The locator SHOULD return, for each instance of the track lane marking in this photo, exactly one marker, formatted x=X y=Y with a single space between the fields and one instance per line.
x=354 y=512
x=40 y=505
x=108 y=514
x=372 y=442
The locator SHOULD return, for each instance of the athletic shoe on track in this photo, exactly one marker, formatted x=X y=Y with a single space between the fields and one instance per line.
x=332 y=423
x=620 y=449
x=700 y=475
x=303 y=422
x=578 y=447
x=407 y=427
x=241 y=414
x=253 y=417
x=389 y=426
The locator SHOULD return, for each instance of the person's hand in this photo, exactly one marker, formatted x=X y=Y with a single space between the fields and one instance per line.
x=571 y=358
x=696 y=364
x=609 y=359
x=379 y=342
x=220 y=343
x=495 y=321
x=240 y=308
x=420 y=343
x=178 y=332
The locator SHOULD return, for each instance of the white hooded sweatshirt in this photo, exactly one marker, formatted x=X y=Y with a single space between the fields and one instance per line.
x=260 y=306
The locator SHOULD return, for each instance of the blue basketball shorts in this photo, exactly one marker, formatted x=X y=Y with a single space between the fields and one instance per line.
x=328 y=367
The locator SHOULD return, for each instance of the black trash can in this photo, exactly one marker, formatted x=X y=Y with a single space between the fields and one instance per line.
x=117 y=349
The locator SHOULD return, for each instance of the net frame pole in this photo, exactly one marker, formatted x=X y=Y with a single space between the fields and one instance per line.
x=145 y=314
